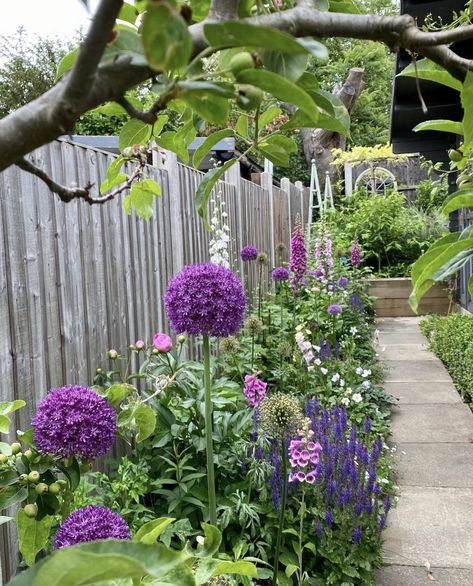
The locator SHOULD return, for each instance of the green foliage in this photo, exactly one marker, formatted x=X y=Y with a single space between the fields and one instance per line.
x=391 y=233
x=451 y=338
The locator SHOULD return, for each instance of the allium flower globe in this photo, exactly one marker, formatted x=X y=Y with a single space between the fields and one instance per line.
x=205 y=299
x=334 y=309
x=91 y=524
x=249 y=252
x=74 y=421
x=280 y=274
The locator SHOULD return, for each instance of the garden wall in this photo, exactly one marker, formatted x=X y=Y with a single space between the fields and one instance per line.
x=76 y=280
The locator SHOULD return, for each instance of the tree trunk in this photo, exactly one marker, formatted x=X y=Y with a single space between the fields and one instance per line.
x=318 y=143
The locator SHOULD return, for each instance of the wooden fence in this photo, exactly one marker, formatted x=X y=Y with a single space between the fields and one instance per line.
x=76 y=280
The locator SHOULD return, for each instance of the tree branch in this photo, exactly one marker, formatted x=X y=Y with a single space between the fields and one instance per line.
x=67 y=194
x=33 y=125
x=223 y=9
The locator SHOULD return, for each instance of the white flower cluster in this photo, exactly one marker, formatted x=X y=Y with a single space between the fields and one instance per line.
x=218 y=246
x=308 y=351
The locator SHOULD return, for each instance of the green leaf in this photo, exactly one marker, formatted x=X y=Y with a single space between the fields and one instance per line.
x=128 y=13
x=440 y=125
x=467 y=103
x=145 y=419
x=128 y=42
x=12 y=495
x=166 y=39
x=8 y=477
x=26 y=437
x=72 y=473
x=470 y=285
x=240 y=568
x=432 y=72
x=33 y=535
x=288 y=65
x=114 y=175
x=5 y=449
x=240 y=34
x=458 y=200
x=268 y=116
x=211 y=543
x=66 y=63
x=283 y=580
x=149 y=532
x=134 y=132
x=291 y=569
x=100 y=561
x=207 y=105
x=160 y=123
x=282 y=89
x=205 y=187
x=221 y=89
x=277 y=149
x=116 y=393
x=241 y=126
x=345 y=6
x=7 y=407
x=4 y=424
x=208 y=143
x=170 y=141
x=4 y=520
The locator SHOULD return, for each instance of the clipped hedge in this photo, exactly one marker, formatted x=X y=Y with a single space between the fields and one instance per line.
x=451 y=339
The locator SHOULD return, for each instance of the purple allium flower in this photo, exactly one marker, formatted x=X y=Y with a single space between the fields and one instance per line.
x=280 y=274
x=91 y=524
x=356 y=302
x=254 y=390
x=74 y=421
x=162 y=342
x=343 y=282
x=205 y=299
x=334 y=309
x=298 y=259
x=249 y=252
x=355 y=253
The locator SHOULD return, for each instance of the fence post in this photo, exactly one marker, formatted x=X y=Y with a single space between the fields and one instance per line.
x=286 y=188
x=348 y=173
x=167 y=161
x=267 y=183
x=233 y=177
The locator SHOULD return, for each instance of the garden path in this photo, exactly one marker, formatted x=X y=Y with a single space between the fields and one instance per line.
x=432 y=524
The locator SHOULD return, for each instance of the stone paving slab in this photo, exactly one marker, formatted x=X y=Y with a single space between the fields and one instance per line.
x=420 y=393
x=437 y=465
x=432 y=423
x=415 y=371
x=398 y=337
x=385 y=324
x=413 y=576
x=432 y=525
x=406 y=352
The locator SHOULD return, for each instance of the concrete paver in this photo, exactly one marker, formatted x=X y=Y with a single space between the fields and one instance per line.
x=433 y=433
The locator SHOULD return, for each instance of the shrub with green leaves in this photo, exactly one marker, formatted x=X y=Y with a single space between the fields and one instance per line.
x=451 y=338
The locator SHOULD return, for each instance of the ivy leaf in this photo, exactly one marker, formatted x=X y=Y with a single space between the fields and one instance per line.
x=134 y=132
x=205 y=187
x=208 y=143
x=33 y=535
x=283 y=89
x=166 y=39
x=441 y=126
x=145 y=419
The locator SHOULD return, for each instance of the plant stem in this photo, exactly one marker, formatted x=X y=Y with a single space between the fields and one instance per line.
x=208 y=434
x=252 y=351
x=282 y=511
x=301 y=526
x=259 y=289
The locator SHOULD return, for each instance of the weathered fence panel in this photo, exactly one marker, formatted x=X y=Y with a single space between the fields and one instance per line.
x=77 y=280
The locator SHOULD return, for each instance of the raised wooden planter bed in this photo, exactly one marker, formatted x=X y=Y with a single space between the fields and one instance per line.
x=392 y=298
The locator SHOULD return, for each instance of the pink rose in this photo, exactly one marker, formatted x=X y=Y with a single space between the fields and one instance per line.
x=162 y=342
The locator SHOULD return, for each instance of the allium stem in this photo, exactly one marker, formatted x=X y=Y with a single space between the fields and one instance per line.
x=260 y=278
x=282 y=511
x=301 y=528
x=208 y=434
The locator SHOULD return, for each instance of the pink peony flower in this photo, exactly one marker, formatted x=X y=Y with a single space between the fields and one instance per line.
x=139 y=344
x=162 y=342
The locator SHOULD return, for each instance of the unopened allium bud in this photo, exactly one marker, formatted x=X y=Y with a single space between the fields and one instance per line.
x=262 y=258
x=284 y=349
x=280 y=416
x=229 y=345
x=253 y=325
